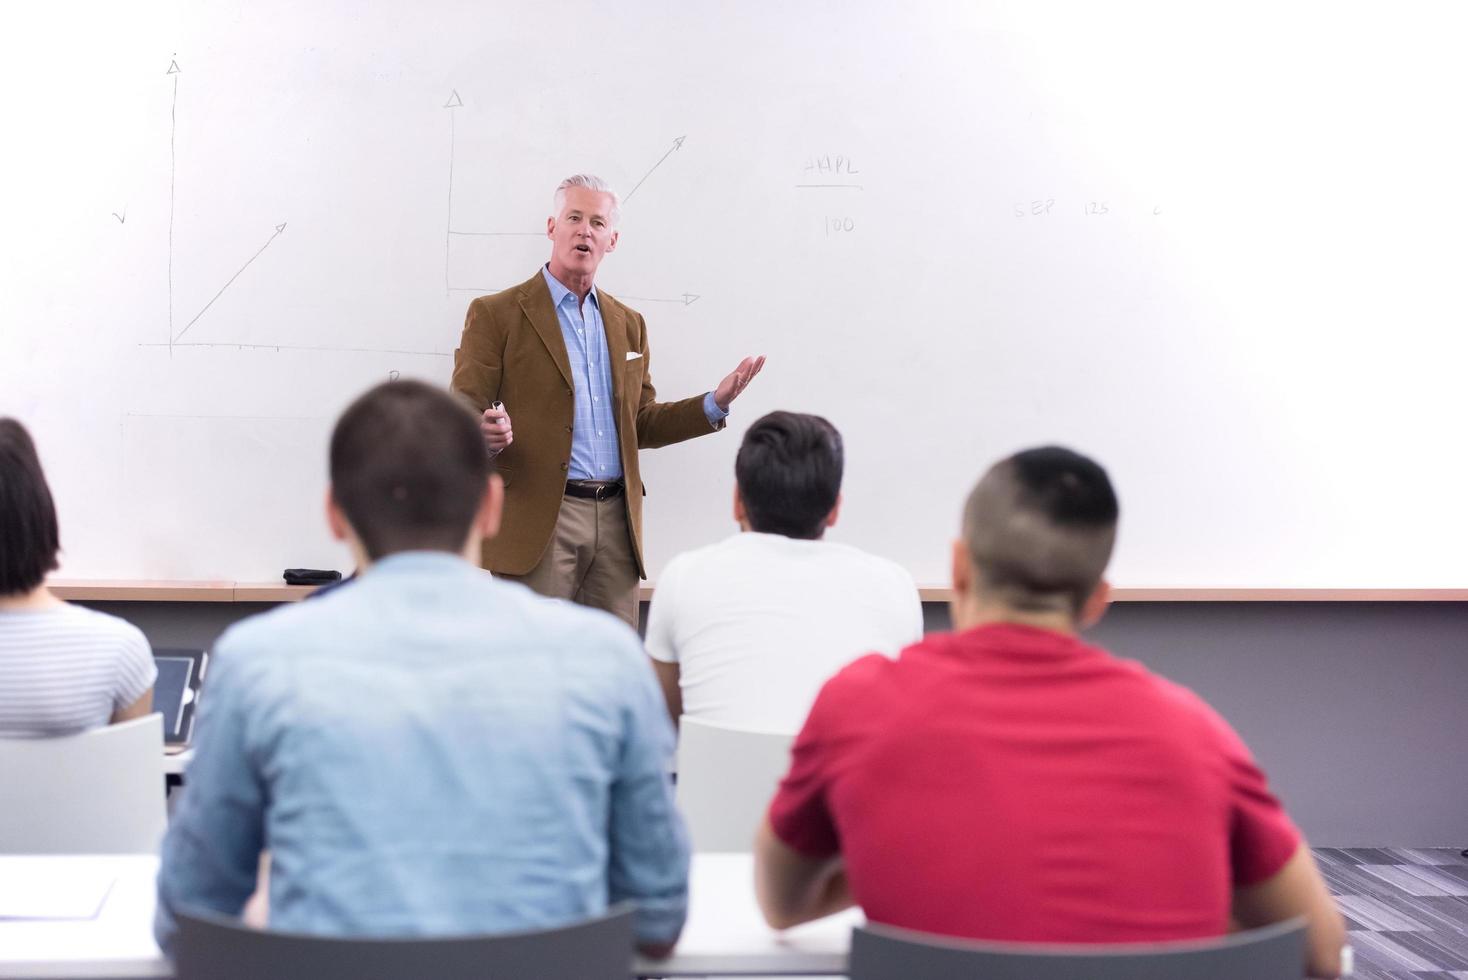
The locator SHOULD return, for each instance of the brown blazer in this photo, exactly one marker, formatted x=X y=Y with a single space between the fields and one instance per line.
x=512 y=351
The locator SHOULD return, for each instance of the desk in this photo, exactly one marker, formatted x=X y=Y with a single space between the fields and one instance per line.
x=117 y=943
x=724 y=935
x=176 y=763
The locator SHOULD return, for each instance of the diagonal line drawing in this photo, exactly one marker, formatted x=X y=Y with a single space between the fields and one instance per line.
x=278 y=229
x=677 y=145
x=175 y=71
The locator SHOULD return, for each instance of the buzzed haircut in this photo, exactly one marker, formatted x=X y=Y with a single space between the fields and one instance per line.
x=789 y=474
x=408 y=468
x=1040 y=527
x=29 y=536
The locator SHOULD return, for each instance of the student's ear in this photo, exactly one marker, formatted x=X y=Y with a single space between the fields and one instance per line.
x=963 y=570
x=1095 y=605
x=740 y=514
x=835 y=513
x=491 y=508
x=341 y=530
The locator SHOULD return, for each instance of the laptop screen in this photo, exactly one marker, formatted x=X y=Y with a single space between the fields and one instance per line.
x=171 y=692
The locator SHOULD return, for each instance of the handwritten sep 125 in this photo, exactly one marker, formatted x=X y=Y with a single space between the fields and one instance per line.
x=1045 y=206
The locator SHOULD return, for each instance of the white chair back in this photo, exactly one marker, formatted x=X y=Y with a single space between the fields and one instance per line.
x=726 y=777
x=98 y=792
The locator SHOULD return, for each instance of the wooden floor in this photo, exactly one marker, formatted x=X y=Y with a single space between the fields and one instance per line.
x=1406 y=909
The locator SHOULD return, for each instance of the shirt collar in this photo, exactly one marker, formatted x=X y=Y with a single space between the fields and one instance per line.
x=559 y=292
x=411 y=562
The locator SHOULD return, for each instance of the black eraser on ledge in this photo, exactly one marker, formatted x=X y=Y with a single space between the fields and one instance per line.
x=311 y=576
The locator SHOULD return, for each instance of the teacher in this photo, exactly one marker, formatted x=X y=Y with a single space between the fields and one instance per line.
x=569 y=364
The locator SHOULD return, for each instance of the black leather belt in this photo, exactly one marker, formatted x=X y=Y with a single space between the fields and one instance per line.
x=593 y=489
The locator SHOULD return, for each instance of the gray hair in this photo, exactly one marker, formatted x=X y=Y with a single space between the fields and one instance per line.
x=591 y=183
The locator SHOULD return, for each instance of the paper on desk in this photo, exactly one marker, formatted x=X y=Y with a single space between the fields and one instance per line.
x=45 y=891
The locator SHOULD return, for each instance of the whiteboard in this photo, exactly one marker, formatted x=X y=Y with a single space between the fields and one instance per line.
x=1220 y=251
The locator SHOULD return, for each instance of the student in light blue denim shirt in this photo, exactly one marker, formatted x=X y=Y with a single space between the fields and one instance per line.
x=431 y=751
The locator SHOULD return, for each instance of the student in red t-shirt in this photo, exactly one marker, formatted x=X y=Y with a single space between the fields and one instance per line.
x=1009 y=782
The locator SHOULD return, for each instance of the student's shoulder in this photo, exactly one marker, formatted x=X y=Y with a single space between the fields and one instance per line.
x=570 y=630
x=103 y=627
x=600 y=657
x=711 y=555
x=708 y=564
x=265 y=634
x=291 y=630
x=863 y=683
x=872 y=566
x=1181 y=706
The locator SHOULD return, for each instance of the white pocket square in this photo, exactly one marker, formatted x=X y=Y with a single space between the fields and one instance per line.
x=633 y=355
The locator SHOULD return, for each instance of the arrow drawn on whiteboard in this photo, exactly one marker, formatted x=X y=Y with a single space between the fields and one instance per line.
x=687 y=299
x=453 y=102
x=677 y=145
x=278 y=229
x=173 y=70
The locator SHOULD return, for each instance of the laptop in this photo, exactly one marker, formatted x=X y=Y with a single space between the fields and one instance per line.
x=176 y=693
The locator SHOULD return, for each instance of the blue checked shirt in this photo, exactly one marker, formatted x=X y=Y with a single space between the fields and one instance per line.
x=595 y=452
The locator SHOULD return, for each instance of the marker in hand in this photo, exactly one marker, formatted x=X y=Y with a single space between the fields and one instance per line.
x=495 y=426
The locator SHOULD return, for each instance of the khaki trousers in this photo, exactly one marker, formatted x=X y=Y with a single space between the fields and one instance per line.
x=589 y=559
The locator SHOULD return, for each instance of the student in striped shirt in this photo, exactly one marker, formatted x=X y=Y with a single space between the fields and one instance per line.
x=63 y=668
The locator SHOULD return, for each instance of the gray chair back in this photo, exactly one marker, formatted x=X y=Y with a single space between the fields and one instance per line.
x=212 y=948
x=1274 y=952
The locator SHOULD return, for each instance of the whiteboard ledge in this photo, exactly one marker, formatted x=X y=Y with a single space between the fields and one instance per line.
x=126 y=590
x=1175 y=594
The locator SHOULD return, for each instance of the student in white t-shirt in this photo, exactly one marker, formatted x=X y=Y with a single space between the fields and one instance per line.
x=63 y=668
x=745 y=632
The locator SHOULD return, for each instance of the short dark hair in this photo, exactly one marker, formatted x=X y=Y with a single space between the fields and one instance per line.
x=1040 y=527
x=789 y=473
x=29 y=536
x=408 y=468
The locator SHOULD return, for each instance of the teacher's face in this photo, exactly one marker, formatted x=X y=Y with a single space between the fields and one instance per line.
x=582 y=233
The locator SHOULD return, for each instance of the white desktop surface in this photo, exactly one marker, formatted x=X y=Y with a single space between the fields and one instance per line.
x=177 y=763
x=727 y=936
x=117 y=943
x=724 y=935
